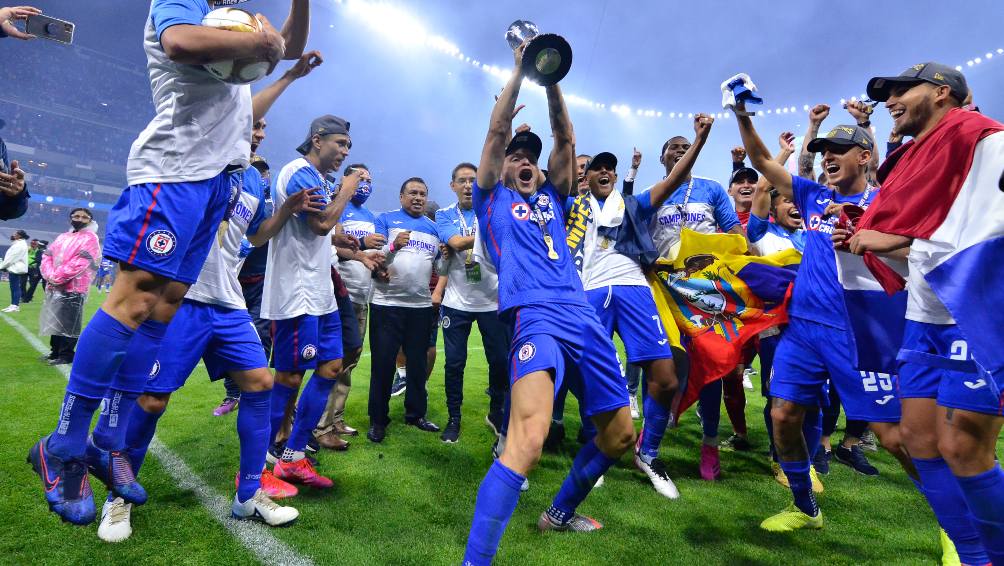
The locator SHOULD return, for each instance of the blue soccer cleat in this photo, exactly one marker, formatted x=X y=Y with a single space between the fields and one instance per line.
x=115 y=471
x=67 y=488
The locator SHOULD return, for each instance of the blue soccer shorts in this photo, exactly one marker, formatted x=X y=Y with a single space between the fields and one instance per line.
x=299 y=343
x=167 y=228
x=225 y=339
x=630 y=311
x=935 y=364
x=569 y=340
x=810 y=353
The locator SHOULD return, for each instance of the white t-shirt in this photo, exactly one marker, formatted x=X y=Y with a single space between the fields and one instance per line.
x=410 y=268
x=298 y=274
x=217 y=283
x=612 y=268
x=357 y=221
x=461 y=294
x=708 y=210
x=202 y=124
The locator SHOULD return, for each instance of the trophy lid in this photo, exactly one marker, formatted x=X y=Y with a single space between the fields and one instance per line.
x=520 y=31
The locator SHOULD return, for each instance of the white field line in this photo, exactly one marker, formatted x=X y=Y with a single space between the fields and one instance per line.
x=255 y=537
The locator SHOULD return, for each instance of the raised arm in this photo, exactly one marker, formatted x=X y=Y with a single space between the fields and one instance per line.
x=561 y=163
x=500 y=126
x=760 y=156
x=295 y=30
x=628 y=183
x=786 y=142
x=263 y=100
x=818 y=113
x=322 y=223
x=662 y=189
x=861 y=113
x=760 y=206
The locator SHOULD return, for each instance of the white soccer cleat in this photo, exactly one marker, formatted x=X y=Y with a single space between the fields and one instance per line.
x=12 y=308
x=747 y=382
x=116 y=523
x=261 y=508
x=634 y=408
x=599 y=482
x=657 y=474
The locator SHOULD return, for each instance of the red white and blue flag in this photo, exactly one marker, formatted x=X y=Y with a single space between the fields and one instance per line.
x=944 y=192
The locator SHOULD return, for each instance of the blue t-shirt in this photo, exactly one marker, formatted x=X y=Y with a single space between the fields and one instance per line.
x=410 y=267
x=449 y=224
x=709 y=210
x=513 y=236
x=256 y=260
x=817 y=295
x=357 y=221
x=769 y=237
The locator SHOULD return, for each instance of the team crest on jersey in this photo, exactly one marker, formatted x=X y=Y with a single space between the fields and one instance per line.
x=544 y=201
x=527 y=351
x=155 y=369
x=161 y=242
x=520 y=211
x=446 y=322
x=309 y=352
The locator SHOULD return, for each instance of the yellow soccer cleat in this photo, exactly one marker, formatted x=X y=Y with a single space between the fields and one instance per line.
x=949 y=557
x=779 y=474
x=817 y=484
x=792 y=518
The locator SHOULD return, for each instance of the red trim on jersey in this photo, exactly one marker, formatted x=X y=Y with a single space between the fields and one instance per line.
x=146 y=224
x=296 y=342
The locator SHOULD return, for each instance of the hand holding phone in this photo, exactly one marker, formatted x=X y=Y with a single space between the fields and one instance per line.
x=46 y=27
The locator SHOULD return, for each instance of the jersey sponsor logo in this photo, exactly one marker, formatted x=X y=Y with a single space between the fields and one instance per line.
x=818 y=224
x=520 y=211
x=446 y=322
x=822 y=201
x=155 y=369
x=527 y=351
x=664 y=341
x=161 y=242
x=309 y=352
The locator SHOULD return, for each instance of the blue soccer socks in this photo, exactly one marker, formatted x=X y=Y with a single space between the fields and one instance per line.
x=801 y=486
x=253 y=431
x=308 y=411
x=941 y=489
x=985 y=495
x=590 y=463
x=497 y=498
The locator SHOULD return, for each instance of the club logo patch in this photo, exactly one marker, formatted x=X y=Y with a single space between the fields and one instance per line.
x=155 y=369
x=308 y=352
x=446 y=322
x=527 y=351
x=520 y=211
x=161 y=242
x=544 y=201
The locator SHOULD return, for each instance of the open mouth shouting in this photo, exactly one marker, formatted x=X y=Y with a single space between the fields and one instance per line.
x=525 y=174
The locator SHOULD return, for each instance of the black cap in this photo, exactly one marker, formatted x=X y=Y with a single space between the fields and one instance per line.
x=845 y=136
x=525 y=140
x=602 y=158
x=747 y=172
x=259 y=163
x=325 y=125
x=934 y=73
x=21 y=234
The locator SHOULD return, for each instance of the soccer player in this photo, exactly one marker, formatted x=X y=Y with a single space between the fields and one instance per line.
x=609 y=238
x=471 y=296
x=556 y=333
x=356 y=268
x=701 y=205
x=815 y=345
x=951 y=402
x=401 y=311
x=160 y=232
x=299 y=297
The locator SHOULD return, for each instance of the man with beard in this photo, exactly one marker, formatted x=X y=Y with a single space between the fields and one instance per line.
x=471 y=296
x=555 y=330
x=950 y=392
x=401 y=311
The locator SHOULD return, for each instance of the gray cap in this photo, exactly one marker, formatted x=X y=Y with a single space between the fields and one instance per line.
x=934 y=73
x=323 y=126
x=843 y=135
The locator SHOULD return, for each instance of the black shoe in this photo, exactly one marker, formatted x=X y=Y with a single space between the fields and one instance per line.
x=422 y=424
x=555 y=436
x=821 y=461
x=855 y=458
x=59 y=362
x=312 y=446
x=494 y=422
x=452 y=432
x=736 y=443
x=398 y=386
x=376 y=433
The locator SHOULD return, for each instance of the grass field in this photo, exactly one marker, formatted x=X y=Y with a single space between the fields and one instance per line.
x=410 y=499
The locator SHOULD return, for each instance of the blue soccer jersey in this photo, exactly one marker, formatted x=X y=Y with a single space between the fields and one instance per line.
x=359 y=222
x=769 y=237
x=514 y=229
x=706 y=209
x=817 y=295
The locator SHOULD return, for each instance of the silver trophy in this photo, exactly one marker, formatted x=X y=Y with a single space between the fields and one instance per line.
x=549 y=55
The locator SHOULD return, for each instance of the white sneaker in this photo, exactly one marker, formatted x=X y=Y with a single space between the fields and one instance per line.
x=12 y=308
x=634 y=408
x=599 y=482
x=747 y=382
x=261 y=508
x=116 y=525
x=656 y=472
x=525 y=486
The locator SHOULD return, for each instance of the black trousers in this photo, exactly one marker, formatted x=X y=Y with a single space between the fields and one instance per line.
x=34 y=277
x=62 y=347
x=391 y=329
x=495 y=337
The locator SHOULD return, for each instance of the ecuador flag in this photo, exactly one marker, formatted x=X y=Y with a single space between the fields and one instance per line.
x=719 y=299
